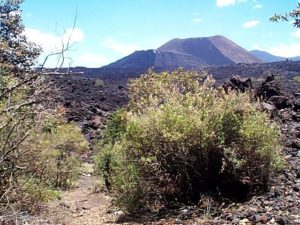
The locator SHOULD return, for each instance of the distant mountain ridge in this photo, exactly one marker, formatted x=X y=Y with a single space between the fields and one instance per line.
x=190 y=53
x=268 y=57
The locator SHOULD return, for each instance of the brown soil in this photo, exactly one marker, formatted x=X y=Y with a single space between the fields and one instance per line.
x=83 y=205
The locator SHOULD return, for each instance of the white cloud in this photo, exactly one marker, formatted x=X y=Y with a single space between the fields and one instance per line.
x=51 y=42
x=46 y=40
x=224 y=3
x=90 y=60
x=197 y=20
x=75 y=35
x=251 y=23
x=296 y=34
x=122 y=48
x=257 y=6
x=285 y=50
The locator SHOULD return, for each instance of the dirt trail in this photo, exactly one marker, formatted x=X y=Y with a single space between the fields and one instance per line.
x=87 y=205
x=83 y=205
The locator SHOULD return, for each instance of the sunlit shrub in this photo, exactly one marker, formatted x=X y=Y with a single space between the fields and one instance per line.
x=34 y=193
x=99 y=83
x=49 y=161
x=297 y=79
x=183 y=137
x=58 y=148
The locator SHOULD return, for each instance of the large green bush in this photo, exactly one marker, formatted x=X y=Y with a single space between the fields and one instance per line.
x=181 y=137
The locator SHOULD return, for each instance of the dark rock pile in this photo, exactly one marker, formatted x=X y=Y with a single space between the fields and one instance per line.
x=238 y=84
x=255 y=71
x=87 y=101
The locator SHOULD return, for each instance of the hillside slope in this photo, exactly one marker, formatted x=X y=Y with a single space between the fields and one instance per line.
x=266 y=57
x=215 y=50
x=190 y=53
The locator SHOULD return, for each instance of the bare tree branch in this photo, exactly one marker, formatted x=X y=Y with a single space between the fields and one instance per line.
x=64 y=48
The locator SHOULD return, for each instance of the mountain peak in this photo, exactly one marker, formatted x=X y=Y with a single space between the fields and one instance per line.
x=214 y=50
x=189 y=53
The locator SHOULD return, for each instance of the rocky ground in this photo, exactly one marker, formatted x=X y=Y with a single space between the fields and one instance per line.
x=286 y=69
x=89 y=105
x=87 y=101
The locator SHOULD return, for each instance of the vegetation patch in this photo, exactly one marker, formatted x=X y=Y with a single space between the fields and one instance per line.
x=58 y=149
x=181 y=137
x=99 y=83
x=39 y=151
x=297 y=79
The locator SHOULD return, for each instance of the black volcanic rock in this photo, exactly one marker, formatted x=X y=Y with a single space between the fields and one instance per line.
x=84 y=102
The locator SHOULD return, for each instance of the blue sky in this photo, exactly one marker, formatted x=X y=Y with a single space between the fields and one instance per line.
x=107 y=30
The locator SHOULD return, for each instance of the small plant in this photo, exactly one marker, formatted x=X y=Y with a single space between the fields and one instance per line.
x=297 y=79
x=107 y=159
x=180 y=138
x=99 y=83
x=35 y=192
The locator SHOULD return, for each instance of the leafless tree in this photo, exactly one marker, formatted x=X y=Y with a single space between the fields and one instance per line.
x=23 y=91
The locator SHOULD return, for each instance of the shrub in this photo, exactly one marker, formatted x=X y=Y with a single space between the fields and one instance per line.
x=182 y=138
x=34 y=192
x=297 y=79
x=57 y=151
x=50 y=161
x=99 y=83
x=107 y=158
